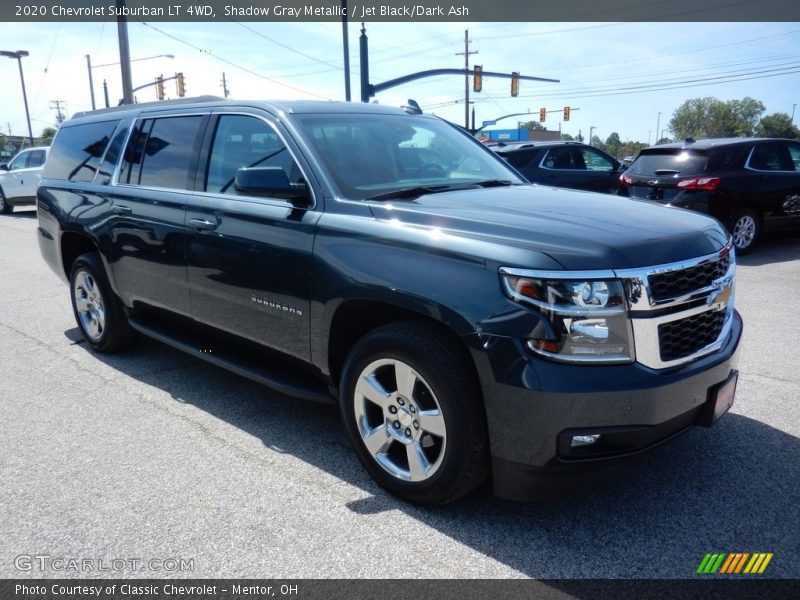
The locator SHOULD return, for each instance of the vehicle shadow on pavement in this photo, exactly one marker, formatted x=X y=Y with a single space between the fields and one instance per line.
x=732 y=488
x=21 y=214
x=777 y=247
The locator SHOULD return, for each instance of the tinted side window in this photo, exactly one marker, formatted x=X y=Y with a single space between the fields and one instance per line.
x=242 y=141
x=564 y=158
x=76 y=151
x=794 y=152
x=770 y=157
x=36 y=158
x=113 y=152
x=519 y=158
x=169 y=152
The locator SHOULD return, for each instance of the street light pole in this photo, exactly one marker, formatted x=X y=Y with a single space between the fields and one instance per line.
x=658 y=124
x=19 y=54
x=91 y=82
x=591 y=129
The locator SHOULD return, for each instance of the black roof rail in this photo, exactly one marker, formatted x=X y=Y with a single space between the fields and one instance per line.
x=158 y=103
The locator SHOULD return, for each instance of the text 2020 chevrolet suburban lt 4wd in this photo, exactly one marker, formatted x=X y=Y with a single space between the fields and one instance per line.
x=468 y=324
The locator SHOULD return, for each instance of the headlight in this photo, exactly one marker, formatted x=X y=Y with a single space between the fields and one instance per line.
x=585 y=318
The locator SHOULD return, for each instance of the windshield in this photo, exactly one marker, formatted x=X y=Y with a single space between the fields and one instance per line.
x=372 y=155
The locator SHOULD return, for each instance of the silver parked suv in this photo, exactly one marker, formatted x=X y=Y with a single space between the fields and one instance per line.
x=20 y=178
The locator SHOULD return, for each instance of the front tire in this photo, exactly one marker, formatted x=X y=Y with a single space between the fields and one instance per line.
x=745 y=229
x=412 y=409
x=98 y=312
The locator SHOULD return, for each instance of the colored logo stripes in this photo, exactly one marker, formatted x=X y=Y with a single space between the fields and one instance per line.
x=734 y=563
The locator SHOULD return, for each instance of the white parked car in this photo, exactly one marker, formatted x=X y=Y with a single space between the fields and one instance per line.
x=20 y=178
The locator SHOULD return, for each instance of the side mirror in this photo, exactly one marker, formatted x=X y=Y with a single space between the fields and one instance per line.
x=4 y=167
x=269 y=182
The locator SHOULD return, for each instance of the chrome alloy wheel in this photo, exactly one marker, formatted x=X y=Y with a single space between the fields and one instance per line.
x=744 y=231
x=89 y=306
x=400 y=420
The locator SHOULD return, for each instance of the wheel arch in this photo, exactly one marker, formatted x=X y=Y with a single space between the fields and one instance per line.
x=353 y=319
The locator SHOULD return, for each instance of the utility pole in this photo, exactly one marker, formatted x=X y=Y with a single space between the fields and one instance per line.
x=105 y=92
x=346 y=49
x=466 y=54
x=224 y=86
x=124 y=55
x=56 y=106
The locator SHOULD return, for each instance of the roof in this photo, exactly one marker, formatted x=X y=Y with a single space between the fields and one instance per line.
x=523 y=145
x=709 y=143
x=274 y=106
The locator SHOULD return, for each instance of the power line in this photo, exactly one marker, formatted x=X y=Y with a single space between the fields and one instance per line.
x=233 y=64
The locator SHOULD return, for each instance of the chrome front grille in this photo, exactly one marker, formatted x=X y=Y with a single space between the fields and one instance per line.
x=671 y=284
x=681 y=311
x=684 y=337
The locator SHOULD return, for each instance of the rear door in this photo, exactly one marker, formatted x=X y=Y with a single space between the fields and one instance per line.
x=774 y=167
x=249 y=258
x=148 y=206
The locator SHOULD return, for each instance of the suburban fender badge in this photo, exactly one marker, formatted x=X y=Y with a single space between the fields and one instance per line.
x=267 y=303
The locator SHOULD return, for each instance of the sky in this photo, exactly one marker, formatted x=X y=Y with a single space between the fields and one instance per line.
x=627 y=78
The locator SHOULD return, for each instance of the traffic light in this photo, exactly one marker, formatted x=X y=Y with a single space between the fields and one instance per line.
x=566 y=113
x=181 y=84
x=542 y=114
x=160 y=87
x=514 y=83
x=477 y=79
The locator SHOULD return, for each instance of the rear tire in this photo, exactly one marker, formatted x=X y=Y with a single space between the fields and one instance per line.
x=98 y=311
x=5 y=207
x=745 y=229
x=411 y=406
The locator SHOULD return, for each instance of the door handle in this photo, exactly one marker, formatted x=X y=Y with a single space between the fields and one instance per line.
x=121 y=210
x=203 y=224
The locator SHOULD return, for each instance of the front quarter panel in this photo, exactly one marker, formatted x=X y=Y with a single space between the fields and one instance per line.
x=449 y=277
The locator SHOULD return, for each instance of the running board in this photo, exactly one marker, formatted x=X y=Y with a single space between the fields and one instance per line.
x=267 y=377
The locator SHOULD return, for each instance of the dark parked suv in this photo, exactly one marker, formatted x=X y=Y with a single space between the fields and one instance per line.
x=467 y=324
x=750 y=184
x=564 y=164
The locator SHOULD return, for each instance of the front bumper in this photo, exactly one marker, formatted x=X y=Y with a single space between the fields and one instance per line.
x=533 y=404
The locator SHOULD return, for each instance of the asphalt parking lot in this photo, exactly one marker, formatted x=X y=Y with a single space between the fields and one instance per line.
x=156 y=455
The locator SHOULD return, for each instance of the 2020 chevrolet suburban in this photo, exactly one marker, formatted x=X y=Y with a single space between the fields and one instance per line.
x=468 y=325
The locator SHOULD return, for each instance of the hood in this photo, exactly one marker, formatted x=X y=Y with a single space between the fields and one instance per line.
x=579 y=230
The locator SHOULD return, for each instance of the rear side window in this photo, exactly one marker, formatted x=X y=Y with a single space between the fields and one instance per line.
x=161 y=153
x=36 y=158
x=76 y=151
x=518 y=158
x=771 y=157
x=669 y=161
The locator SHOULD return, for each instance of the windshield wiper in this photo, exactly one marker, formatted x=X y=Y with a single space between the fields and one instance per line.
x=416 y=191
x=494 y=183
x=421 y=190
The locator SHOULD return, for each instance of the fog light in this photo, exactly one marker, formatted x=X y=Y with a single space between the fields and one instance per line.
x=584 y=440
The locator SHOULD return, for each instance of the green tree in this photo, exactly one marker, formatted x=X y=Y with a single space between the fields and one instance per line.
x=777 y=125
x=709 y=117
x=567 y=137
x=46 y=137
x=614 y=144
x=532 y=126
